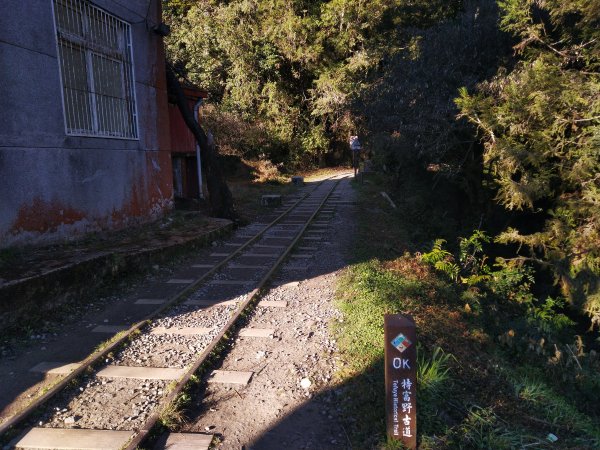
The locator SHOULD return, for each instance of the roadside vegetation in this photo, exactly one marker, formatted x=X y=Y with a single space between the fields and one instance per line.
x=496 y=370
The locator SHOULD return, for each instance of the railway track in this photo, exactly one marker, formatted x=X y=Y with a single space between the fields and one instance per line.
x=143 y=370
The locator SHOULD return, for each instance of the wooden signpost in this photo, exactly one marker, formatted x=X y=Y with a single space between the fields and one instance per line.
x=401 y=378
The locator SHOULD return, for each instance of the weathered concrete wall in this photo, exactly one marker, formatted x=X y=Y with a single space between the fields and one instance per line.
x=53 y=185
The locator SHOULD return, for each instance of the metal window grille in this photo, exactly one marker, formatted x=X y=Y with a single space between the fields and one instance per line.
x=96 y=69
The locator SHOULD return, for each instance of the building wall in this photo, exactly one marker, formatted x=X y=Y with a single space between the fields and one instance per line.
x=182 y=139
x=183 y=148
x=53 y=185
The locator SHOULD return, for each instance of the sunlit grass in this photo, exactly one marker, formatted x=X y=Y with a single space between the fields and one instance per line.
x=545 y=402
x=367 y=292
x=432 y=371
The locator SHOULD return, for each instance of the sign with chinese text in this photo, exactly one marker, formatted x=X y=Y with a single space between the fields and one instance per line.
x=401 y=378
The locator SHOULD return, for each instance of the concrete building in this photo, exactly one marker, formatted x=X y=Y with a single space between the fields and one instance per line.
x=84 y=121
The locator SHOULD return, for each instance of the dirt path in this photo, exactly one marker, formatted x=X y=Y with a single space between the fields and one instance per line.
x=291 y=401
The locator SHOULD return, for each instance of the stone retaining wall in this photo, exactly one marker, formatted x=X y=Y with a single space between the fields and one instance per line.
x=35 y=295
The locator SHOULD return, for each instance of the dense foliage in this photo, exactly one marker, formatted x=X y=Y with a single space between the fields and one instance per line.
x=512 y=367
x=410 y=109
x=541 y=125
x=287 y=71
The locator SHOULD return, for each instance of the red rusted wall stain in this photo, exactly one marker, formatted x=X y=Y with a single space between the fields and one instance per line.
x=151 y=194
x=41 y=216
x=132 y=209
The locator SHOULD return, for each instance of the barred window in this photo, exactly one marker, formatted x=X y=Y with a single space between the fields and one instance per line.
x=96 y=69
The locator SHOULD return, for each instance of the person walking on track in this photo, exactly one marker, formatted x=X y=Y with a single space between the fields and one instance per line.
x=355 y=147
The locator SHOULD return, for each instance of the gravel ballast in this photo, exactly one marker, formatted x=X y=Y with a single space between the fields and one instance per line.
x=292 y=399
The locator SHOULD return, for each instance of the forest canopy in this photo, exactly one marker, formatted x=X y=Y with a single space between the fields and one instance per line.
x=287 y=72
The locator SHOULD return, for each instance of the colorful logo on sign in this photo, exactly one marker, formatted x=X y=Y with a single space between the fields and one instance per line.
x=401 y=342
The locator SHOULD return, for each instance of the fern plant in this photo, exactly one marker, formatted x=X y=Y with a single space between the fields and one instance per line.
x=471 y=256
x=545 y=316
x=442 y=260
x=471 y=268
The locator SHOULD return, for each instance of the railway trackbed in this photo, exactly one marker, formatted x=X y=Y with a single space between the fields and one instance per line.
x=116 y=396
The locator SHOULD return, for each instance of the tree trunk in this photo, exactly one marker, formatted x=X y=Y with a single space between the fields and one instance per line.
x=219 y=195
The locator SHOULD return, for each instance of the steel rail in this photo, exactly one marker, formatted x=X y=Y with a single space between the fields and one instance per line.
x=120 y=338
x=164 y=403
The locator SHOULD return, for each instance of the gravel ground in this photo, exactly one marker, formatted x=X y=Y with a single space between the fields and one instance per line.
x=173 y=350
x=291 y=400
x=99 y=405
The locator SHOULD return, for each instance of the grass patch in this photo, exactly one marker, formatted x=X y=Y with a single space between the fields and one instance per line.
x=483 y=429
x=173 y=415
x=543 y=401
x=474 y=391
